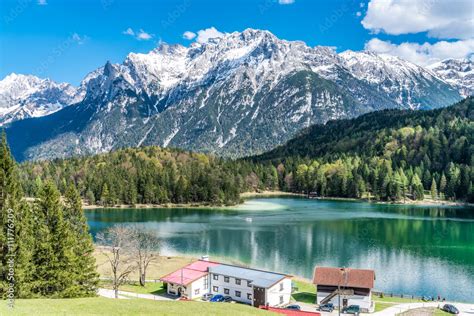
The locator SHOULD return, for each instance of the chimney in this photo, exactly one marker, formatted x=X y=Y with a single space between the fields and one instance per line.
x=205 y=258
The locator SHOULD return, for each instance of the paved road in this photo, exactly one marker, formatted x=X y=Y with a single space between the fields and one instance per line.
x=109 y=294
x=126 y=295
x=464 y=309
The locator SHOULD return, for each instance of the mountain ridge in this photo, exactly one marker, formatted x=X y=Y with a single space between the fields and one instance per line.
x=241 y=94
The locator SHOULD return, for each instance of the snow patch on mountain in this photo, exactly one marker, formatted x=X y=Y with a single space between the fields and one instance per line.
x=457 y=72
x=25 y=96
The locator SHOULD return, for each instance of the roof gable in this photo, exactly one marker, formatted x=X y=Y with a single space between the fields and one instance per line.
x=357 y=278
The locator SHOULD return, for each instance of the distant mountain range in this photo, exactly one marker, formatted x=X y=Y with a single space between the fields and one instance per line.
x=241 y=94
x=23 y=97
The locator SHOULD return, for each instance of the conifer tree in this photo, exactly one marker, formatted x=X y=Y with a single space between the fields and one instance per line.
x=53 y=254
x=15 y=230
x=417 y=187
x=434 y=191
x=442 y=184
x=83 y=263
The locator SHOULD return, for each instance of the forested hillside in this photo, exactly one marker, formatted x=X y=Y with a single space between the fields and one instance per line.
x=150 y=175
x=390 y=154
x=386 y=155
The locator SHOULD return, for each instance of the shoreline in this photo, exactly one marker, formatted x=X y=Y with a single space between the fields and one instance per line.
x=400 y=203
x=274 y=194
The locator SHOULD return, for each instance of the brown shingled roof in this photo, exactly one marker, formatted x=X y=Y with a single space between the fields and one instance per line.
x=355 y=277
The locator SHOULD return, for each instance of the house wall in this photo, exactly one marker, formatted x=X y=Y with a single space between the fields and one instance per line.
x=232 y=286
x=198 y=288
x=172 y=289
x=193 y=290
x=364 y=301
x=280 y=293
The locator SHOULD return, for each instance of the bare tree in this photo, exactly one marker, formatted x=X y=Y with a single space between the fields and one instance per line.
x=116 y=243
x=145 y=249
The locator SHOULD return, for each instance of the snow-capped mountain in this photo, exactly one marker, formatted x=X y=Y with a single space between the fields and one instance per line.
x=457 y=72
x=25 y=96
x=240 y=94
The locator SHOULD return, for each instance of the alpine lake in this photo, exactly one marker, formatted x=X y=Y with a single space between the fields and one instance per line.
x=416 y=250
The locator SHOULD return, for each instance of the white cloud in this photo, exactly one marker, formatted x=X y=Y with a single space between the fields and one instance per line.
x=423 y=54
x=286 y=1
x=129 y=31
x=441 y=19
x=189 y=35
x=358 y=13
x=42 y=2
x=78 y=38
x=141 y=35
x=204 y=35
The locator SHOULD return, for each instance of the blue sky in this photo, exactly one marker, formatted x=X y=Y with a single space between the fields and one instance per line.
x=64 y=40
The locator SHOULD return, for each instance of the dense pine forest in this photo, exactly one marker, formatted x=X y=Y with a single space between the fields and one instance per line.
x=45 y=247
x=388 y=155
x=150 y=175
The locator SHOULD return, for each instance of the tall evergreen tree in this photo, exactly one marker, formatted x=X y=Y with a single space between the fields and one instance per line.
x=16 y=226
x=53 y=251
x=418 y=193
x=83 y=262
x=434 y=191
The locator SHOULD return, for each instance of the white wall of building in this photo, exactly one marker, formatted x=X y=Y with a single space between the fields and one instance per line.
x=193 y=290
x=246 y=292
x=280 y=293
x=365 y=302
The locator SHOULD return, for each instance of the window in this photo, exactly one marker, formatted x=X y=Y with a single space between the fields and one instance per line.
x=237 y=293
x=281 y=299
x=249 y=296
x=206 y=282
x=238 y=281
x=281 y=286
x=215 y=288
x=196 y=291
x=215 y=277
x=226 y=291
x=249 y=283
x=226 y=279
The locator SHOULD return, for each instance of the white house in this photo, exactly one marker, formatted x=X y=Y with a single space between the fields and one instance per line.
x=245 y=285
x=191 y=281
x=250 y=286
x=354 y=286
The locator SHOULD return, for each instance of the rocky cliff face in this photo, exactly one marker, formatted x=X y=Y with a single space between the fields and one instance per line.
x=237 y=95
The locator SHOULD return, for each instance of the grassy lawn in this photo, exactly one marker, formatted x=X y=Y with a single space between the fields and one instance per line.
x=397 y=300
x=156 y=270
x=438 y=312
x=386 y=302
x=380 y=306
x=105 y=306
x=135 y=287
x=306 y=292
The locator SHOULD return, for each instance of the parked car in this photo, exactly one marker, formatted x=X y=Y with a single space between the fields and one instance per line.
x=294 y=307
x=326 y=307
x=207 y=297
x=352 y=309
x=217 y=298
x=449 y=308
x=227 y=299
x=426 y=298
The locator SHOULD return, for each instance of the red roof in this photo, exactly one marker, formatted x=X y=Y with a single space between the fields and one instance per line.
x=189 y=273
x=353 y=277
x=289 y=312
